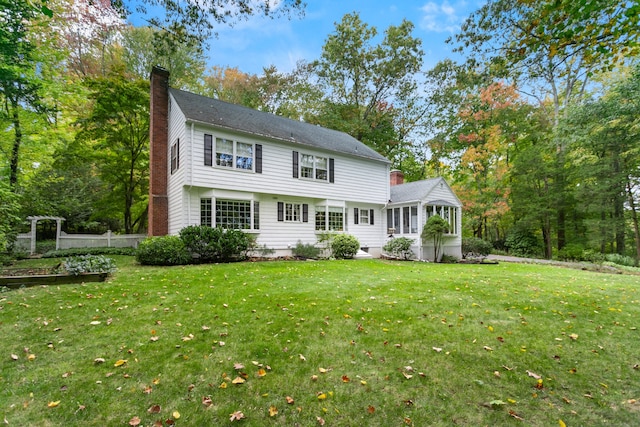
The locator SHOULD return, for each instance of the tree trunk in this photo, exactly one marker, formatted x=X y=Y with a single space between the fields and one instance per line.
x=634 y=219
x=15 y=150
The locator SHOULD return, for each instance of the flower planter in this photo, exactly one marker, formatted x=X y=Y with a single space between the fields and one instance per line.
x=50 y=279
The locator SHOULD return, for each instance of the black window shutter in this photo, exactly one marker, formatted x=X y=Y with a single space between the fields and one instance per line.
x=305 y=213
x=371 y=216
x=356 y=217
x=331 y=167
x=208 y=150
x=178 y=154
x=280 y=211
x=295 y=164
x=258 y=158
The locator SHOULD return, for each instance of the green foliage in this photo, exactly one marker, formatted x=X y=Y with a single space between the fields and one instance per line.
x=207 y=244
x=162 y=250
x=571 y=252
x=522 y=242
x=344 y=246
x=89 y=264
x=434 y=230
x=89 y=251
x=9 y=208
x=621 y=260
x=400 y=247
x=473 y=247
x=305 y=250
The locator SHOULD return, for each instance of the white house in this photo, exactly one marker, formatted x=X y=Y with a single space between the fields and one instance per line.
x=223 y=165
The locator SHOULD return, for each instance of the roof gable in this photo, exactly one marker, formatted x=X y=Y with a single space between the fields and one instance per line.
x=222 y=114
x=420 y=191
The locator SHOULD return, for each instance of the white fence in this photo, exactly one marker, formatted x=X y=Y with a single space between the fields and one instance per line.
x=69 y=241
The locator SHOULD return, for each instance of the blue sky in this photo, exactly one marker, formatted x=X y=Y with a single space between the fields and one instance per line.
x=259 y=42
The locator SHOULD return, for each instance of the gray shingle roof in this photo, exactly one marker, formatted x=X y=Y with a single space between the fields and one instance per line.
x=242 y=119
x=418 y=190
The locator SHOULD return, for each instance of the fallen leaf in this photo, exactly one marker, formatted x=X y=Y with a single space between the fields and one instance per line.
x=147 y=390
x=320 y=420
x=437 y=349
x=206 y=401
x=273 y=411
x=154 y=339
x=289 y=400
x=223 y=385
x=53 y=404
x=516 y=416
x=238 y=380
x=205 y=328
x=561 y=423
x=371 y=409
x=261 y=373
x=533 y=375
x=175 y=415
x=14 y=357
x=238 y=415
x=345 y=379
x=322 y=396
x=323 y=370
x=31 y=357
x=304 y=359
x=573 y=336
x=98 y=360
x=487 y=348
x=120 y=362
x=407 y=376
x=238 y=366
x=135 y=421
x=97 y=322
x=154 y=409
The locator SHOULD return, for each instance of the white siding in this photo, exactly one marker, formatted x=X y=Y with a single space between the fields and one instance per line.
x=176 y=179
x=356 y=179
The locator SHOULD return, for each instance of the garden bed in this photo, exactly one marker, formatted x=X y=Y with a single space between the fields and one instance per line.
x=18 y=277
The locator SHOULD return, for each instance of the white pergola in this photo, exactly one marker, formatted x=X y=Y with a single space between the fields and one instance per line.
x=34 y=221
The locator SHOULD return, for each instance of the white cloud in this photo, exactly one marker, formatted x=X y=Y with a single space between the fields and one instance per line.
x=443 y=17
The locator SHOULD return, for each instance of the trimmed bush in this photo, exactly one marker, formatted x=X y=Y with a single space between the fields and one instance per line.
x=571 y=252
x=305 y=251
x=345 y=246
x=473 y=247
x=208 y=244
x=162 y=250
x=400 y=247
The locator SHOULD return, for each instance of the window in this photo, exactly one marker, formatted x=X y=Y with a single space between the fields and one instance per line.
x=403 y=220
x=292 y=212
x=233 y=154
x=235 y=214
x=309 y=166
x=205 y=212
x=256 y=215
x=329 y=218
x=448 y=213
x=363 y=216
x=175 y=156
x=224 y=152
x=321 y=218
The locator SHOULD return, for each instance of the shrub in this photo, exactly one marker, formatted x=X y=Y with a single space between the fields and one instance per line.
x=434 y=230
x=215 y=244
x=571 y=252
x=305 y=251
x=344 y=246
x=621 y=260
x=400 y=247
x=522 y=242
x=89 y=251
x=162 y=250
x=89 y=264
x=473 y=247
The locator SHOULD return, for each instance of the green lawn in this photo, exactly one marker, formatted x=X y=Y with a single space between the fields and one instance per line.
x=339 y=343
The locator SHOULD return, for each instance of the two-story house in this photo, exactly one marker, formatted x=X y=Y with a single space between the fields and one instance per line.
x=223 y=165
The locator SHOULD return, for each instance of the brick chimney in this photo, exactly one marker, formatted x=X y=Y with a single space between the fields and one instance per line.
x=396 y=177
x=158 y=153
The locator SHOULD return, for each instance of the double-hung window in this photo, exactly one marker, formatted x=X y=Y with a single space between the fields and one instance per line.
x=329 y=218
x=363 y=216
x=293 y=212
x=228 y=153
x=310 y=166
